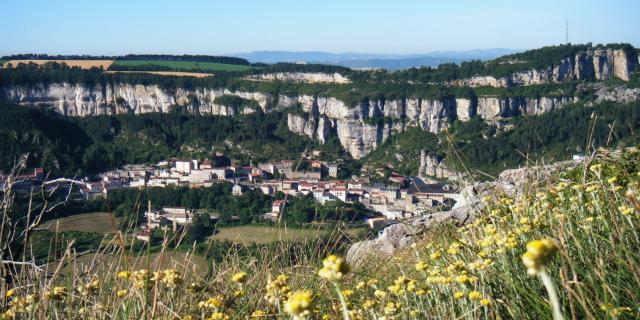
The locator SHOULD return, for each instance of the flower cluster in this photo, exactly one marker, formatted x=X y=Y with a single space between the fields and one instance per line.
x=539 y=253
x=333 y=268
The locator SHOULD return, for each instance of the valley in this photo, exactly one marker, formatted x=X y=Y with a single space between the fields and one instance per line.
x=208 y=165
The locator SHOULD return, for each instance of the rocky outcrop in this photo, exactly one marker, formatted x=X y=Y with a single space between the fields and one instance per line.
x=304 y=77
x=401 y=235
x=592 y=64
x=398 y=236
x=495 y=108
x=80 y=100
x=435 y=167
x=616 y=93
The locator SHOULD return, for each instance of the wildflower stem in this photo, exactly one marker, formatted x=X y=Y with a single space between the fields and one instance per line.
x=553 y=295
x=343 y=302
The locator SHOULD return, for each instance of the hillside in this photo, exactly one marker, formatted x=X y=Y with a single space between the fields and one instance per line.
x=555 y=239
x=363 y=109
x=73 y=146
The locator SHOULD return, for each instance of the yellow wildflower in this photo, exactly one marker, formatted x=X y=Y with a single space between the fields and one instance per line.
x=538 y=254
x=391 y=308
x=239 y=277
x=218 y=316
x=259 y=314
x=299 y=304
x=333 y=268
x=475 y=295
x=122 y=293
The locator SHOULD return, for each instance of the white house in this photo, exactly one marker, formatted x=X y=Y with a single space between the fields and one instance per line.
x=200 y=176
x=339 y=192
x=221 y=172
x=236 y=190
x=184 y=166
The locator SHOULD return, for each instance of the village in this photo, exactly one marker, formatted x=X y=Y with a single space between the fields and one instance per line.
x=400 y=197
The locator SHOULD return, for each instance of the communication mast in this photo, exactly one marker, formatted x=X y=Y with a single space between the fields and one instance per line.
x=567 y=31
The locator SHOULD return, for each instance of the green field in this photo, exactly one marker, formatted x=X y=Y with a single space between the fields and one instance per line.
x=2 y=62
x=182 y=65
x=97 y=222
x=266 y=234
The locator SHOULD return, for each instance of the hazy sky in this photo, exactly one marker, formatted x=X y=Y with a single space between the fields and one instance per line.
x=372 y=26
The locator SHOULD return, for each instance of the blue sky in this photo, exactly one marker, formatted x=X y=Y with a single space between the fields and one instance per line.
x=369 y=26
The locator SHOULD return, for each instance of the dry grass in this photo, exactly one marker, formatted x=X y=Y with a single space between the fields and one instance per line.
x=97 y=222
x=104 y=263
x=168 y=73
x=84 y=64
x=265 y=234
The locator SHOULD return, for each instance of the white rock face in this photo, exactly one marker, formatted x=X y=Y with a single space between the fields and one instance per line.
x=464 y=109
x=78 y=100
x=481 y=81
x=593 y=64
x=304 y=77
x=300 y=125
x=494 y=108
x=360 y=128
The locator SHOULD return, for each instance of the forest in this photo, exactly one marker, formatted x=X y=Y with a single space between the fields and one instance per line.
x=79 y=146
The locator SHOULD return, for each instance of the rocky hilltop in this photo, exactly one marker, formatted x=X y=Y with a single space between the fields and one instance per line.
x=591 y=64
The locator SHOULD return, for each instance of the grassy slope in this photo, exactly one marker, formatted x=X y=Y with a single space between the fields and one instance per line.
x=474 y=272
x=2 y=62
x=97 y=222
x=183 y=65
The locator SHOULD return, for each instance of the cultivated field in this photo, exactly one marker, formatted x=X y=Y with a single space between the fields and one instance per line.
x=84 y=64
x=168 y=73
x=182 y=65
x=97 y=222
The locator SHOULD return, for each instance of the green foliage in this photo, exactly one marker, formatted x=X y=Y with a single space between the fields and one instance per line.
x=304 y=209
x=237 y=103
x=554 y=135
x=402 y=151
x=51 y=141
x=77 y=145
x=217 y=198
x=48 y=246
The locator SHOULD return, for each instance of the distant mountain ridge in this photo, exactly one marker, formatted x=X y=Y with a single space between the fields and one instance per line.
x=372 y=60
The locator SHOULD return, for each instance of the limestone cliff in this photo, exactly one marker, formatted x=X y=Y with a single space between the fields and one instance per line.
x=363 y=127
x=80 y=100
x=304 y=77
x=360 y=128
x=592 y=64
